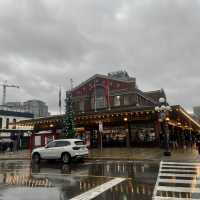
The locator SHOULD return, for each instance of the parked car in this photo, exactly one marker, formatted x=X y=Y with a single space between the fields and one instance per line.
x=63 y=149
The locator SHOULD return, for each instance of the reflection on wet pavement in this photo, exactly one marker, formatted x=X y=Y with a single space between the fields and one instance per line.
x=178 y=180
x=23 y=181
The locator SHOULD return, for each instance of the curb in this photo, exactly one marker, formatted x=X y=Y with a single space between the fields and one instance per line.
x=17 y=158
x=138 y=159
x=123 y=159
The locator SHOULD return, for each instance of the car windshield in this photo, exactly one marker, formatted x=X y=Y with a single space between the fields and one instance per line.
x=79 y=142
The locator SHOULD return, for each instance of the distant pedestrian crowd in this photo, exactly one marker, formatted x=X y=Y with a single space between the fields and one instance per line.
x=181 y=140
x=11 y=144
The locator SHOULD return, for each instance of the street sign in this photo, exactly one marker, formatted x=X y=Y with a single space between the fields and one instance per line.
x=162 y=116
x=100 y=126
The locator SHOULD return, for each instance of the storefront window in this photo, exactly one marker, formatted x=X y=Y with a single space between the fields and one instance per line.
x=85 y=136
x=142 y=133
x=114 y=136
x=38 y=140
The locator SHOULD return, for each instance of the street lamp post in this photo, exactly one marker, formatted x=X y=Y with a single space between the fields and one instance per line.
x=163 y=109
x=101 y=134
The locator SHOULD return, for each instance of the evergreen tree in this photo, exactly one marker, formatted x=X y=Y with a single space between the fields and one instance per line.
x=69 y=117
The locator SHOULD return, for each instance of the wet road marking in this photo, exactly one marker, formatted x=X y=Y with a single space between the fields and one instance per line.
x=179 y=175
x=91 y=194
x=178 y=189
x=180 y=163
x=173 y=198
x=179 y=181
x=179 y=167
x=182 y=171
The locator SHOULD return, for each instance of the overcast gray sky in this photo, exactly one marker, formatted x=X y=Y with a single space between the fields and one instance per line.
x=44 y=43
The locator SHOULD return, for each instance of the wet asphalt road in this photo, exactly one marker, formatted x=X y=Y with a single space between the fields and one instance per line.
x=20 y=180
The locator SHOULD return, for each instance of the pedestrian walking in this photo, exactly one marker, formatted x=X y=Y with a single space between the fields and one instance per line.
x=11 y=146
x=174 y=141
x=193 y=141
x=18 y=142
x=198 y=144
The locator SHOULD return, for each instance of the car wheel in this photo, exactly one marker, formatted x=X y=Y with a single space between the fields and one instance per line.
x=66 y=158
x=36 y=158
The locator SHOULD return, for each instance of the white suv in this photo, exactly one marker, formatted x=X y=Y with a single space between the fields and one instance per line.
x=64 y=149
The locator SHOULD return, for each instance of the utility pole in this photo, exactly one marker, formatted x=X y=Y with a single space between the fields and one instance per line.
x=60 y=102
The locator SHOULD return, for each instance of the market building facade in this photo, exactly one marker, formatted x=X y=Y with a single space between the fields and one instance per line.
x=107 y=101
x=110 y=110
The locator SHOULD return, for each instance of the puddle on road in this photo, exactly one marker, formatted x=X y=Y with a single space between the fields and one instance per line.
x=55 y=181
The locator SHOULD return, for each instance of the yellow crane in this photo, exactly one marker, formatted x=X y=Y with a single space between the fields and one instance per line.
x=5 y=85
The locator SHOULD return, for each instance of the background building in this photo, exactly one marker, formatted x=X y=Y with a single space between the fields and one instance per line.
x=196 y=111
x=18 y=106
x=8 y=115
x=37 y=107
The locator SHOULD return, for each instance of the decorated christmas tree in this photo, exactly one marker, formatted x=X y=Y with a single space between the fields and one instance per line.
x=69 y=117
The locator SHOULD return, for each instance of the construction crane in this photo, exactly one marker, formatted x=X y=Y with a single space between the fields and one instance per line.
x=5 y=85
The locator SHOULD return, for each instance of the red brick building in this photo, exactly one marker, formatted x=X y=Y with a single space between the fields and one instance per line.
x=116 y=90
x=112 y=95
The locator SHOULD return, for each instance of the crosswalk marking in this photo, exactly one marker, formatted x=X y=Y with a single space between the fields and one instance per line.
x=178 y=189
x=180 y=167
x=179 y=175
x=177 y=180
x=180 y=170
x=180 y=163
x=173 y=198
x=91 y=194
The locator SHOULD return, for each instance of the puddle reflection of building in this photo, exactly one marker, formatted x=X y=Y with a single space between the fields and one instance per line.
x=144 y=172
x=27 y=181
x=55 y=168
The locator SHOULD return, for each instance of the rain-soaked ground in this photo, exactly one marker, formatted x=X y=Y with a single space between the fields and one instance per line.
x=19 y=180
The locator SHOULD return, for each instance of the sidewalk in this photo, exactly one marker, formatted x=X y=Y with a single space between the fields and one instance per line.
x=147 y=154
x=17 y=155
